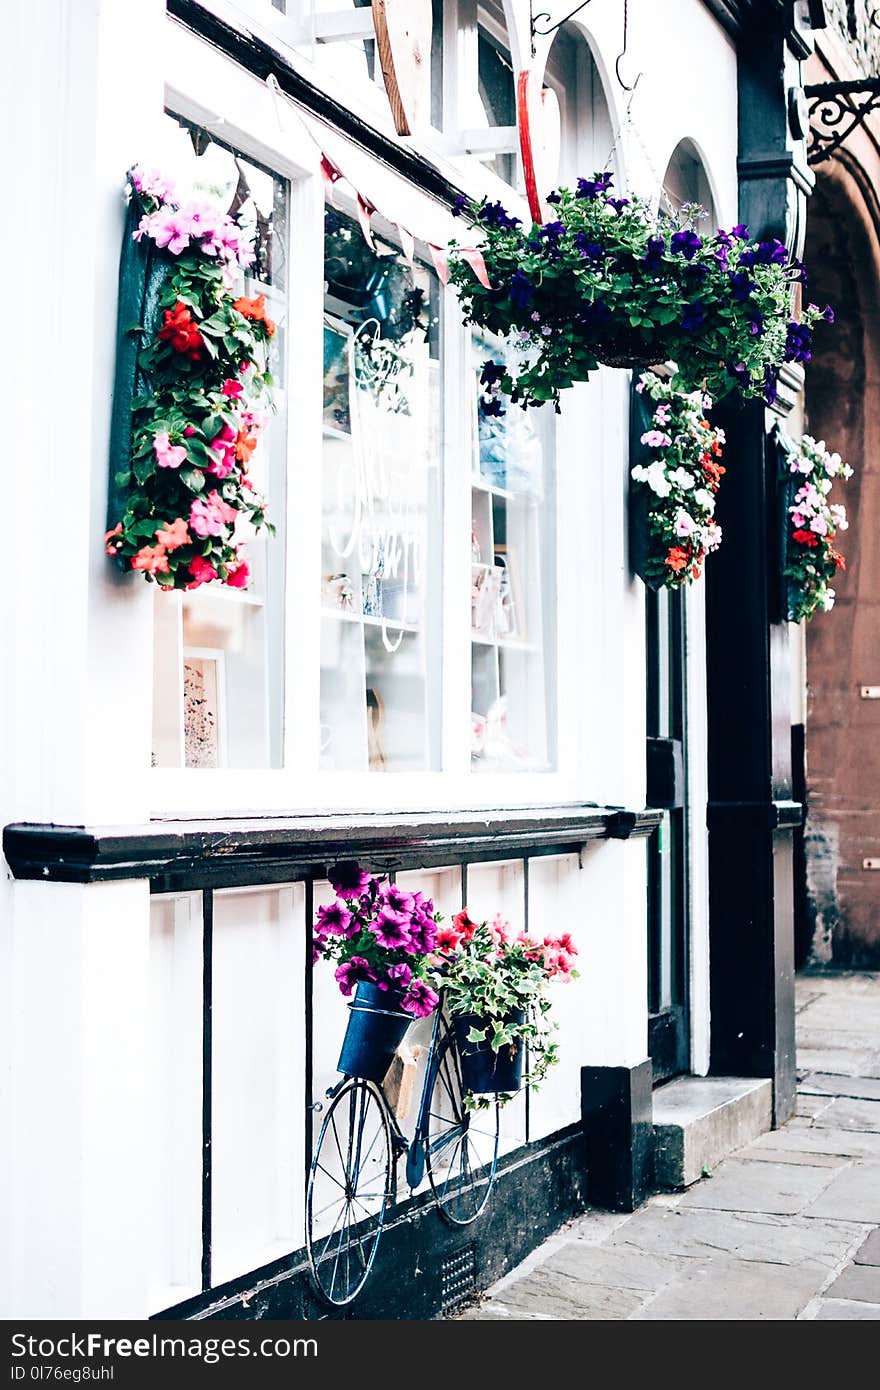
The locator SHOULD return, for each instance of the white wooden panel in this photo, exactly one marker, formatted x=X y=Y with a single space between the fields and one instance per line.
x=174 y=1049
x=258 y=1070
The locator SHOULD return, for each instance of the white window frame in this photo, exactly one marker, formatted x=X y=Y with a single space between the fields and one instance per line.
x=250 y=117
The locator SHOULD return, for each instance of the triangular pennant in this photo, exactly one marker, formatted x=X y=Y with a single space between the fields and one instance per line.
x=441 y=262
x=477 y=264
x=365 y=212
x=408 y=244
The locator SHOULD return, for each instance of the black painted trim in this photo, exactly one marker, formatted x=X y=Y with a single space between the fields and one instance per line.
x=262 y=60
x=207 y=1088
x=618 y=1119
x=204 y=854
x=539 y=1187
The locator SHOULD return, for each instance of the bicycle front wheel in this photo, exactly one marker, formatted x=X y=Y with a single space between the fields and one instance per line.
x=461 y=1146
x=351 y=1186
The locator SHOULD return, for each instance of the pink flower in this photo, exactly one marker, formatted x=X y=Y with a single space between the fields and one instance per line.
x=201 y=571
x=173 y=534
x=656 y=439
x=421 y=1000
x=238 y=575
x=391 y=928
x=819 y=525
x=168 y=455
x=150 y=559
x=232 y=389
x=222 y=446
x=209 y=516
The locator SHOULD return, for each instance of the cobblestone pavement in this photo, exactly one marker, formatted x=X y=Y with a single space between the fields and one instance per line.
x=788 y=1227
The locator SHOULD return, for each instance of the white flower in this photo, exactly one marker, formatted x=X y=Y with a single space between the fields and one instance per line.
x=654 y=476
x=825 y=486
x=711 y=538
x=684 y=524
x=683 y=479
x=826 y=600
x=838 y=515
x=704 y=499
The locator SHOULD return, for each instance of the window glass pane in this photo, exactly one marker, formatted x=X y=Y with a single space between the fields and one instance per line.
x=380 y=559
x=498 y=97
x=513 y=589
x=219 y=659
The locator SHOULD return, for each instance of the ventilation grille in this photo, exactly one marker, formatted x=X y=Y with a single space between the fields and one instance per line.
x=458 y=1276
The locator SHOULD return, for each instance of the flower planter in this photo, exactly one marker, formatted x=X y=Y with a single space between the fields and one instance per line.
x=375 y=1031
x=627 y=350
x=482 y=1070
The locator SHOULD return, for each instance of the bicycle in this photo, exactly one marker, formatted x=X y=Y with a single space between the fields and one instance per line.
x=353 y=1177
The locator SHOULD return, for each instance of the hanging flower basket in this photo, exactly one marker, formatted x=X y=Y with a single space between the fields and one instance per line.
x=611 y=280
x=812 y=522
x=486 y=1070
x=673 y=483
x=192 y=391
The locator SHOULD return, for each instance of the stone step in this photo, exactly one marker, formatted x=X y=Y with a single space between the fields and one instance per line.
x=699 y=1120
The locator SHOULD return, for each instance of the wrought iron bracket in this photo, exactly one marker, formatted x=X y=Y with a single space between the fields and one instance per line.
x=551 y=28
x=836 y=109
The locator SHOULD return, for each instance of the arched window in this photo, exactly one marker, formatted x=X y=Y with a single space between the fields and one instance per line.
x=686 y=181
x=586 y=128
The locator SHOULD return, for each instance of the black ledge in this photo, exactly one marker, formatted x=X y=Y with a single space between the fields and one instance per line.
x=204 y=854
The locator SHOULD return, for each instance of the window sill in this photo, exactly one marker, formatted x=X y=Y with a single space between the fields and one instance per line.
x=188 y=854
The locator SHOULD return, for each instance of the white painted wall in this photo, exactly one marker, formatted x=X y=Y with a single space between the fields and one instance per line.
x=98 y=1105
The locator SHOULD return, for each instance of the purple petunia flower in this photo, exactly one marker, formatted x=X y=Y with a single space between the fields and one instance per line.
x=685 y=243
x=333 y=920
x=351 y=972
x=693 y=316
x=797 y=342
x=770 y=252
x=396 y=898
x=399 y=975
x=741 y=286
x=756 y=325
x=521 y=290
x=459 y=205
x=654 y=253
x=770 y=391
x=554 y=197
x=828 y=314
x=423 y=934
x=349 y=880
x=741 y=231
x=617 y=203
x=740 y=373
x=592 y=251
x=391 y=929
x=491 y=373
x=591 y=188
x=421 y=1000
x=494 y=215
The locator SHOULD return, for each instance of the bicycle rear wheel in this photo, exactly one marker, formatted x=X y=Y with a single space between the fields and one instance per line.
x=351 y=1186
x=461 y=1146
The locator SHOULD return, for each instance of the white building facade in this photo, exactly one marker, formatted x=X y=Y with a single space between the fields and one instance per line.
x=181 y=770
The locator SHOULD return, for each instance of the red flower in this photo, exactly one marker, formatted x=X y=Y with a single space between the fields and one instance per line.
x=244 y=446
x=255 y=309
x=181 y=331
x=464 y=925
x=839 y=560
x=447 y=939
x=237 y=577
x=677 y=559
x=714 y=472
x=805 y=538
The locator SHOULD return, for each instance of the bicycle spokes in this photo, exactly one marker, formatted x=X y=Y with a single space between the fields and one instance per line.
x=461 y=1147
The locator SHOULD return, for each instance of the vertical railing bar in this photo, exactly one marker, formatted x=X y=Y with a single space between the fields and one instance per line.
x=309 y=1001
x=207 y=1098
x=526 y=1059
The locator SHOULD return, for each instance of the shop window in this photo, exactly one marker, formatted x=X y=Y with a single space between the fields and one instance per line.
x=513 y=568
x=381 y=662
x=219 y=658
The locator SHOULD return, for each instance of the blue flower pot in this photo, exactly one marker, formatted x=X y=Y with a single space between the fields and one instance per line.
x=482 y=1070
x=375 y=1031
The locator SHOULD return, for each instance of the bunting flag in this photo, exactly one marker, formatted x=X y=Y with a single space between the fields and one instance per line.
x=408 y=244
x=441 y=262
x=365 y=212
x=331 y=175
x=477 y=264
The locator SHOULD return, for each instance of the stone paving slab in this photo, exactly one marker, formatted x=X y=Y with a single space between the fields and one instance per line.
x=838 y=1310
x=852 y=1195
x=860 y=1282
x=619 y=1267
x=847 y=1061
x=734 y=1290
x=819 y=1083
x=797 y=1156
x=869 y=1253
x=846 y=1113
x=563 y=1298
x=781 y=1189
x=804 y=1139
x=744 y=1235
